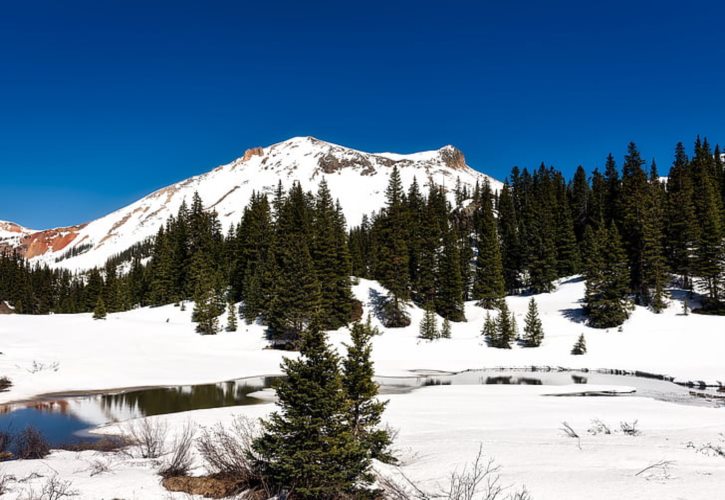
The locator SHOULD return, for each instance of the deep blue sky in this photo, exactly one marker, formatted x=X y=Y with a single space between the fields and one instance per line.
x=104 y=101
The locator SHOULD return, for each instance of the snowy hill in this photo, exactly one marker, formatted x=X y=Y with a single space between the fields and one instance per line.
x=356 y=178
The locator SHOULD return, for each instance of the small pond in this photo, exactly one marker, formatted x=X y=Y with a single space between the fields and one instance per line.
x=67 y=419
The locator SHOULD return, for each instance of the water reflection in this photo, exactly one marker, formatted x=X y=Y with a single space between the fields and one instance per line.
x=66 y=420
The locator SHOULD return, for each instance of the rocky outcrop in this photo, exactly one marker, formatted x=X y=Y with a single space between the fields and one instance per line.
x=453 y=158
x=252 y=152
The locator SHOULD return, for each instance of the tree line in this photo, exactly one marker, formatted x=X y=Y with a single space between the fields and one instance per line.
x=290 y=258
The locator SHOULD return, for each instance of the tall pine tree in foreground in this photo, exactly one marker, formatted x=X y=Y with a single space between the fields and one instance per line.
x=308 y=448
x=505 y=327
x=533 y=329
x=366 y=410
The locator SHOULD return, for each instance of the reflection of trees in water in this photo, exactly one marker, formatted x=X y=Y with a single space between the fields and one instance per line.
x=185 y=398
x=509 y=380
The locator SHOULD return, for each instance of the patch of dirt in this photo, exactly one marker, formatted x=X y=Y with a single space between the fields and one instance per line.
x=206 y=486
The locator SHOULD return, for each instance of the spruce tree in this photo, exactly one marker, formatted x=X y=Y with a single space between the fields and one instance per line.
x=533 y=329
x=680 y=214
x=505 y=327
x=99 y=312
x=208 y=295
x=392 y=259
x=488 y=332
x=446 y=329
x=511 y=251
x=488 y=284
x=366 y=410
x=231 y=318
x=449 y=299
x=580 y=347
x=308 y=448
x=429 y=324
x=606 y=280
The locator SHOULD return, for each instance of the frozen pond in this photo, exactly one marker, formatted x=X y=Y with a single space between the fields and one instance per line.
x=67 y=418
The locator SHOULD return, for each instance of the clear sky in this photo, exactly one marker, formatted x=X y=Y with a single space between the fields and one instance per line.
x=104 y=101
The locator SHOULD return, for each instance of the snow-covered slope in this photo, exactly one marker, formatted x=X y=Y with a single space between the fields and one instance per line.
x=356 y=178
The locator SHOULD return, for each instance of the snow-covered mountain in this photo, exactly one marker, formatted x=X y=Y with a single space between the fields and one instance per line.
x=356 y=178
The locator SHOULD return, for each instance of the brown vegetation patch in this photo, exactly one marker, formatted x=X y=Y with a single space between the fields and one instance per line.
x=217 y=486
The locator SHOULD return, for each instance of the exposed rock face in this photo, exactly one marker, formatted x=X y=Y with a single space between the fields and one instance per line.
x=252 y=152
x=34 y=243
x=453 y=157
x=330 y=164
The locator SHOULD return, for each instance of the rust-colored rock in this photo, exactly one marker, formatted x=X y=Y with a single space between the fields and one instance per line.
x=453 y=157
x=32 y=244
x=252 y=152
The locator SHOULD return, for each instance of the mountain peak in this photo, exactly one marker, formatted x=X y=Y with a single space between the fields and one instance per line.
x=357 y=178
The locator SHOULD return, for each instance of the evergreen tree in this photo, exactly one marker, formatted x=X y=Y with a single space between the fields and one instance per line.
x=580 y=347
x=533 y=329
x=362 y=391
x=579 y=194
x=449 y=299
x=489 y=330
x=308 y=448
x=208 y=296
x=488 y=285
x=446 y=329
x=392 y=261
x=606 y=274
x=429 y=324
x=505 y=327
x=231 y=318
x=681 y=221
x=511 y=251
x=99 y=312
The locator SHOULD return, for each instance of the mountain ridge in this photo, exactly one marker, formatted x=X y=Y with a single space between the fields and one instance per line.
x=357 y=178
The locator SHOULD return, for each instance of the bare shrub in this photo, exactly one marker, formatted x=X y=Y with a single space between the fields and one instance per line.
x=97 y=467
x=5 y=383
x=569 y=430
x=31 y=444
x=599 y=427
x=5 y=480
x=229 y=450
x=54 y=488
x=6 y=439
x=180 y=457
x=630 y=429
x=149 y=435
x=479 y=480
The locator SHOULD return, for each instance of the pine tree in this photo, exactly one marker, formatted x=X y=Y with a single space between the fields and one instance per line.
x=489 y=330
x=488 y=284
x=580 y=347
x=208 y=296
x=511 y=251
x=533 y=329
x=606 y=274
x=579 y=194
x=362 y=391
x=505 y=327
x=392 y=260
x=99 y=312
x=681 y=222
x=446 y=329
x=308 y=448
x=429 y=324
x=231 y=318
x=449 y=299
